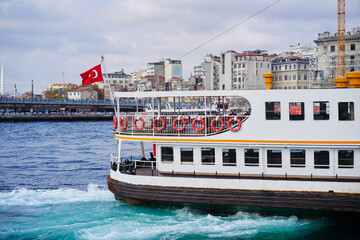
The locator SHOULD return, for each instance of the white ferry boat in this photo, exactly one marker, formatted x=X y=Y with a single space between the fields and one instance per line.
x=297 y=149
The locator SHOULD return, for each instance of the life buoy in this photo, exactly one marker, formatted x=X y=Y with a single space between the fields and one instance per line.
x=162 y=124
x=234 y=119
x=201 y=120
x=123 y=126
x=142 y=123
x=183 y=124
x=222 y=125
x=115 y=122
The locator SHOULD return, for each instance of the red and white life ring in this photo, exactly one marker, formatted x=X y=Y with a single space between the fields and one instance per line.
x=162 y=124
x=123 y=126
x=234 y=119
x=222 y=125
x=115 y=122
x=183 y=124
x=142 y=123
x=201 y=120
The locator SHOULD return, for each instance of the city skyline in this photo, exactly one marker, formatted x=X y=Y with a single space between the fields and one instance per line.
x=52 y=42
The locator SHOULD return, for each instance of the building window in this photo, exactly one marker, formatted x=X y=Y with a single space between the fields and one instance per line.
x=251 y=157
x=208 y=156
x=289 y=67
x=285 y=67
x=352 y=46
x=229 y=157
x=296 y=111
x=305 y=77
x=285 y=77
x=299 y=77
x=346 y=158
x=294 y=76
x=187 y=155
x=274 y=158
x=321 y=110
x=332 y=48
x=272 y=110
x=297 y=157
x=346 y=111
x=167 y=154
x=294 y=66
x=321 y=159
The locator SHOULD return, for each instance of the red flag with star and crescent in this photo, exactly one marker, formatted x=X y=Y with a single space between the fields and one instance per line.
x=92 y=75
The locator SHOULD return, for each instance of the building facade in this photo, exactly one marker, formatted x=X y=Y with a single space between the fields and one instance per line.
x=327 y=54
x=243 y=70
x=173 y=70
x=83 y=93
x=119 y=81
x=291 y=73
x=211 y=72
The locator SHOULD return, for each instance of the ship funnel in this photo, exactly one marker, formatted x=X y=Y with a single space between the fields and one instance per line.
x=354 y=79
x=268 y=79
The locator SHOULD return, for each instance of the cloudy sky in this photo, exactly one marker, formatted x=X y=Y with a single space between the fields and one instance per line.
x=41 y=39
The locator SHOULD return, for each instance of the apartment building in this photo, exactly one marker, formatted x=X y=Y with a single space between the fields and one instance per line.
x=243 y=70
x=291 y=73
x=327 y=53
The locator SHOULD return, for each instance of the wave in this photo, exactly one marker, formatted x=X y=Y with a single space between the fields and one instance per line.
x=29 y=197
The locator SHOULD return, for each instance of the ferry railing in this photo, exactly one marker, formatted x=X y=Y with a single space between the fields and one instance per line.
x=176 y=125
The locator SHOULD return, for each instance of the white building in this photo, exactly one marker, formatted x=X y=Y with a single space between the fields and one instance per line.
x=83 y=93
x=211 y=72
x=243 y=70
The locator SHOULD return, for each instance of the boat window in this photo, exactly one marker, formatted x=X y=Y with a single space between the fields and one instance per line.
x=167 y=154
x=296 y=111
x=274 y=158
x=229 y=157
x=251 y=157
x=321 y=159
x=187 y=155
x=297 y=157
x=346 y=111
x=208 y=156
x=272 y=110
x=321 y=110
x=346 y=158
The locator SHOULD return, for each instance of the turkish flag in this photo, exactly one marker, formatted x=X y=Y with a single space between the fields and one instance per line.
x=92 y=75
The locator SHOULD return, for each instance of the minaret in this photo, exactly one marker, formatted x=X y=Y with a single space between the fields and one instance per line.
x=15 y=90
x=2 y=81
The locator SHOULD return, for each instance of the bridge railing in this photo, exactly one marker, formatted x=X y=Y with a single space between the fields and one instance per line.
x=67 y=101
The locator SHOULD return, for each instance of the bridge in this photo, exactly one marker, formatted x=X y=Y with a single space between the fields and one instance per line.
x=18 y=105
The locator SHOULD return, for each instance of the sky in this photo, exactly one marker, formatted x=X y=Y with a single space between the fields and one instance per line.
x=51 y=41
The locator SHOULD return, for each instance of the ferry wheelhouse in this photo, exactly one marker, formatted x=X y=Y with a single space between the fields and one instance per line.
x=297 y=149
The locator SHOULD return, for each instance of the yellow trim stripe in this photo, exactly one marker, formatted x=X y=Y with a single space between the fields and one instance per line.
x=233 y=140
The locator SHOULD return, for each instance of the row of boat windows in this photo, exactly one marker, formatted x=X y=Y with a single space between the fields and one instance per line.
x=321 y=110
x=252 y=158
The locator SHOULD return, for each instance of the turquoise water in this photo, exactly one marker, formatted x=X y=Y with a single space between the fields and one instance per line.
x=53 y=186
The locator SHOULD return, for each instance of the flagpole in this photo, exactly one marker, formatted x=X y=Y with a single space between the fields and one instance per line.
x=108 y=81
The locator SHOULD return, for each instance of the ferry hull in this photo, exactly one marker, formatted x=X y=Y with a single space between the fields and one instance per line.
x=338 y=202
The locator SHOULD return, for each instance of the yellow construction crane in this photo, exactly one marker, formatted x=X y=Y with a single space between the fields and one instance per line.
x=341 y=38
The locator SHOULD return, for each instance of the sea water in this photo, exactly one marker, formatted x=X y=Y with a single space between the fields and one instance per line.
x=53 y=186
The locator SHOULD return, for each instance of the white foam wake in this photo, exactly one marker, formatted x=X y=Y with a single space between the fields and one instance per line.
x=28 y=197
